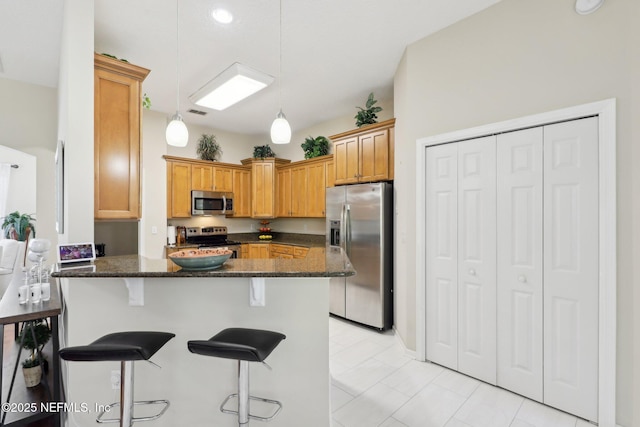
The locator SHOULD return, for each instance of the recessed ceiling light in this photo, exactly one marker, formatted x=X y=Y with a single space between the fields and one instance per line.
x=222 y=16
x=232 y=85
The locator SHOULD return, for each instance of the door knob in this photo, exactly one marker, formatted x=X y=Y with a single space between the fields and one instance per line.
x=522 y=279
x=472 y=272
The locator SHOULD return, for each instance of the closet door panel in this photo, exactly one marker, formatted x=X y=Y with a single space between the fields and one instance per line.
x=519 y=262
x=442 y=255
x=477 y=258
x=571 y=267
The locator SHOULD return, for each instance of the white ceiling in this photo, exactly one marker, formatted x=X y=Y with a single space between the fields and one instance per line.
x=334 y=52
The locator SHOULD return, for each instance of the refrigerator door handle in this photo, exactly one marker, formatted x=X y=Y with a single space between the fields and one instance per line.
x=343 y=234
x=347 y=226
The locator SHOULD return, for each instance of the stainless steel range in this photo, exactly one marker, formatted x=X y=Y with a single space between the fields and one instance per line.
x=212 y=237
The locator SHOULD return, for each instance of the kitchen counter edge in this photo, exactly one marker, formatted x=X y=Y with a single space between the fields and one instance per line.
x=331 y=262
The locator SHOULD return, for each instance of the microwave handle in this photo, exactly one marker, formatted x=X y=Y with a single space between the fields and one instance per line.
x=224 y=204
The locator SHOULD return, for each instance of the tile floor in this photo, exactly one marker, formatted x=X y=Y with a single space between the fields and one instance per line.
x=375 y=383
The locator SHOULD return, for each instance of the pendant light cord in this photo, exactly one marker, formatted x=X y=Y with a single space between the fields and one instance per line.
x=177 y=58
x=280 y=58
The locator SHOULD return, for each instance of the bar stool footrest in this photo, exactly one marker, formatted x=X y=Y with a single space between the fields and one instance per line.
x=110 y=406
x=253 y=417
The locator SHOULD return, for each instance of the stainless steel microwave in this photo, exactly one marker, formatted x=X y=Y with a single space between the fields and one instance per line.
x=211 y=203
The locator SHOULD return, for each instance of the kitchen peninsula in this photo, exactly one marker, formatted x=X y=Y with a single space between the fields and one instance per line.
x=197 y=305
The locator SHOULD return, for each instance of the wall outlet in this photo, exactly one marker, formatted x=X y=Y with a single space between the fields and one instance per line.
x=154 y=230
x=115 y=380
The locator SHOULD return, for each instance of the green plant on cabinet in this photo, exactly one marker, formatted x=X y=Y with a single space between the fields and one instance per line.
x=208 y=148
x=368 y=115
x=314 y=147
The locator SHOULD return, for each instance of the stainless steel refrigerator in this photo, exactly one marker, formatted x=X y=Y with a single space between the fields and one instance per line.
x=360 y=221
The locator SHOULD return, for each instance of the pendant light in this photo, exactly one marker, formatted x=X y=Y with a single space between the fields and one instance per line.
x=280 y=129
x=177 y=133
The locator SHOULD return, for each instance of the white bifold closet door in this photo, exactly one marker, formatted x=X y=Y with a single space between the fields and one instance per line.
x=442 y=255
x=519 y=261
x=571 y=267
x=461 y=257
x=512 y=261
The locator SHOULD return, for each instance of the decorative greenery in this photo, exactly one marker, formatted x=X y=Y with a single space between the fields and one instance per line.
x=314 y=147
x=262 y=151
x=146 y=102
x=367 y=116
x=208 y=148
x=14 y=226
x=43 y=334
x=114 y=57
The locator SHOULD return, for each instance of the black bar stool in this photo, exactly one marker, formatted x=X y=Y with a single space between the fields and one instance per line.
x=123 y=347
x=243 y=345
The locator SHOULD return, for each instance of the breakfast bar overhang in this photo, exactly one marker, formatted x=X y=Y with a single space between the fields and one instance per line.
x=283 y=295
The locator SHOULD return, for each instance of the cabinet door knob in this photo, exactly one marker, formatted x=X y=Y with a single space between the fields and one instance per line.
x=522 y=279
x=472 y=272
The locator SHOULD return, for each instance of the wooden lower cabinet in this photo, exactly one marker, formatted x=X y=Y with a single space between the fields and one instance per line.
x=258 y=250
x=272 y=250
x=281 y=251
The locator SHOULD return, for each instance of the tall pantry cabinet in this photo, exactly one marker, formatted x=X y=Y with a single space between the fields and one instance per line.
x=117 y=136
x=512 y=261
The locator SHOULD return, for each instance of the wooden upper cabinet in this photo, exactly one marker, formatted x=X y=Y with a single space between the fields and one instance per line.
x=330 y=173
x=263 y=181
x=299 y=191
x=365 y=154
x=241 y=193
x=179 y=181
x=201 y=177
x=222 y=179
x=117 y=136
x=316 y=190
x=302 y=188
x=284 y=193
x=185 y=175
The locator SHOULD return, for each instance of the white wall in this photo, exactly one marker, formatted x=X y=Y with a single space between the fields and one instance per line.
x=22 y=181
x=75 y=120
x=28 y=119
x=516 y=59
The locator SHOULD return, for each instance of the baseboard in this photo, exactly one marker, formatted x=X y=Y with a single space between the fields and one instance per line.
x=410 y=353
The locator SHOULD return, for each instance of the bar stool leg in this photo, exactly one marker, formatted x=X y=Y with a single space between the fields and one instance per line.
x=243 y=392
x=126 y=393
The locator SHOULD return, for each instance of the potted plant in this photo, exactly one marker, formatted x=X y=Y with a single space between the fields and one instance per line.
x=31 y=368
x=18 y=226
x=367 y=116
x=262 y=151
x=208 y=148
x=314 y=147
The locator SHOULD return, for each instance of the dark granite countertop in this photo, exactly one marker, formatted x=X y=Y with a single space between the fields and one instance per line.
x=319 y=262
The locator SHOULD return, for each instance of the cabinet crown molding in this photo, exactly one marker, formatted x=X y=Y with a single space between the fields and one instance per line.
x=101 y=62
x=366 y=129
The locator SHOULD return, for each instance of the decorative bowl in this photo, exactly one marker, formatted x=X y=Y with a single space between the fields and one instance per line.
x=201 y=259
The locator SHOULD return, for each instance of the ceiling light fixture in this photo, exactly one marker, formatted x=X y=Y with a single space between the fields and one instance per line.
x=230 y=86
x=280 y=128
x=223 y=16
x=585 y=7
x=177 y=133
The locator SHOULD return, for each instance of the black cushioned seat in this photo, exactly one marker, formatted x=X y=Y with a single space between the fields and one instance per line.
x=119 y=346
x=252 y=345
